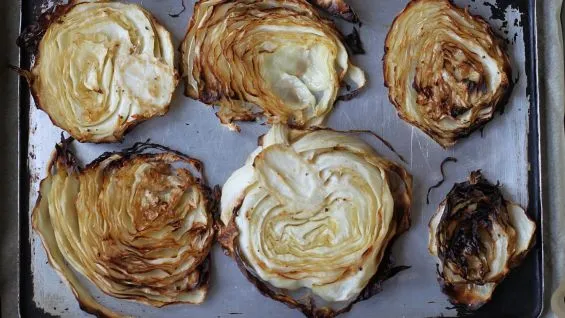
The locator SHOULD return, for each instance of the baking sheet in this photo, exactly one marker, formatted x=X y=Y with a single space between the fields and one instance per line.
x=502 y=152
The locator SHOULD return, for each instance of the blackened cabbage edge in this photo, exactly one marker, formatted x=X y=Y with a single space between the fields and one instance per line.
x=276 y=59
x=337 y=8
x=477 y=237
x=101 y=68
x=281 y=218
x=446 y=71
x=137 y=224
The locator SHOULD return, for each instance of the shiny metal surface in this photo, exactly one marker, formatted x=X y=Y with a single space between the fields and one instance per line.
x=502 y=154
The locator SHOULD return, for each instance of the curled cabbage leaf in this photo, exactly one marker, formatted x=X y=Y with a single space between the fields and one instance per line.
x=101 y=68
x=275 y=58
x=445 y=69
x=337 y=8
x=138 y=225
x=477 y=237
x=310 y=216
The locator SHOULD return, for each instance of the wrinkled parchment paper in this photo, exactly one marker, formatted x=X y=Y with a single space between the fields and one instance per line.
x=552 y=104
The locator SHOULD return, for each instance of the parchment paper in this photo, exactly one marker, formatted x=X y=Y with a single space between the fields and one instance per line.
x=552 y=102
x=551 y=59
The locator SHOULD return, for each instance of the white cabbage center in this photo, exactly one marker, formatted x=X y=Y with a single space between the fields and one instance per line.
x=445 y=70
x=276 y=58
x=311 y=216
x=138 y=229
x=102 y=66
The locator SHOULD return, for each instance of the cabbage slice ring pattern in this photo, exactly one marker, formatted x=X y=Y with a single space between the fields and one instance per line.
x=273 y=58
x=137 y=224
x=310 y=217
x=446 y=71
x=478 y=237
x=101 y=68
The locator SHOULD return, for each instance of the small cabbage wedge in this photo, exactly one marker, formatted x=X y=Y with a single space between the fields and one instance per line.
x=445 y=69
x=275 y=58
x=101 y=68
x=477 y=237
x=310 y=216
x=138 y=225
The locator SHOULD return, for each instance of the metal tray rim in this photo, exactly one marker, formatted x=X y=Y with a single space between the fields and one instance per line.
x=26 y=305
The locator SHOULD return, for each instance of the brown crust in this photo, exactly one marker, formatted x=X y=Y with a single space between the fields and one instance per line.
x=490 y=207
x=402 y=196
x=210 y=96
x=31 y=35
x=308 y=307
x=460 y=296
x=64 y=158
x=461 y=133
x=203 y=268
x=490 y=203
x=338 y=8
x=31 y=38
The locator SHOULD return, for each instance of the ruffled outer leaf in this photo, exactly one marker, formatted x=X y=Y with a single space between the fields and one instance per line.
x=445 y=69
x=275 y=58
x=138 y=225
x=101 y=68
x=477 y=237
x=311 y=215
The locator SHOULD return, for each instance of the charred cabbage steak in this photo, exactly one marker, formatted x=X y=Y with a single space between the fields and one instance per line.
x=310 y=216
x=477 y=237
x=137 y=224
x=445 y=69
x=102 y=67
x=273 y=58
